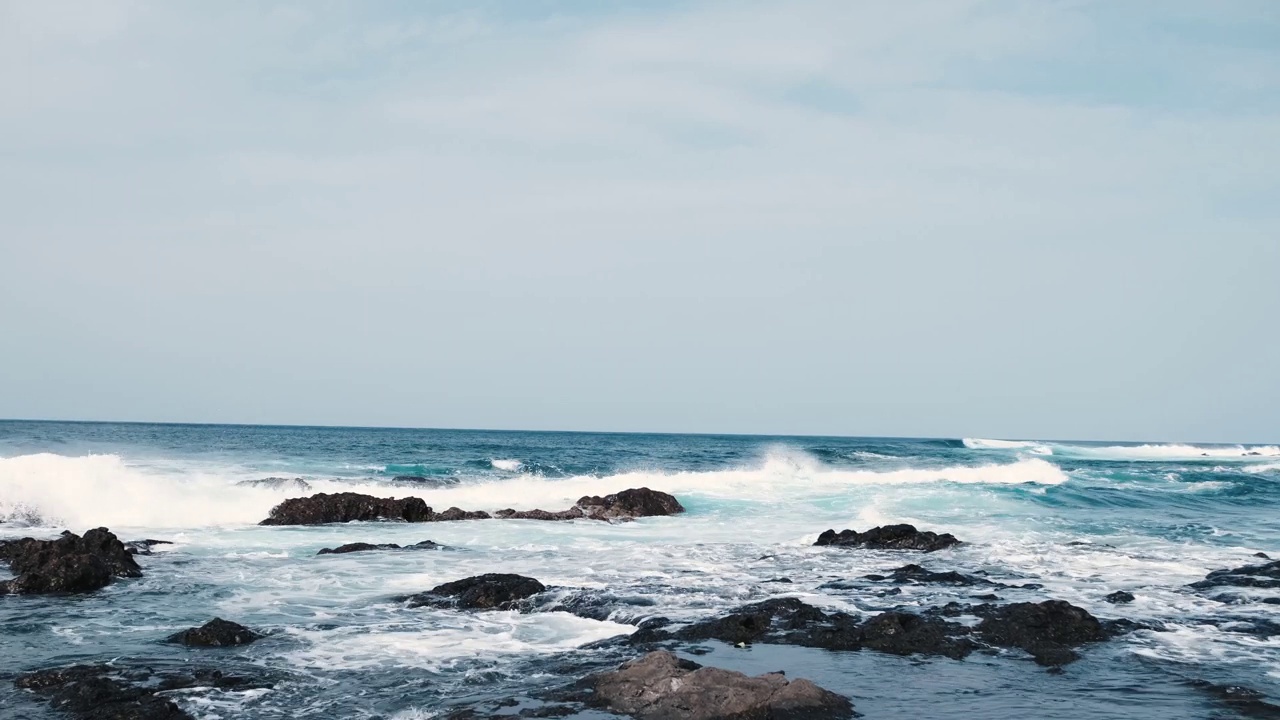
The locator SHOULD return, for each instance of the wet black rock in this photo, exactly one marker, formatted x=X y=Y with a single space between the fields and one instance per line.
x=215 y=633
x=789 y=621
x=1260 y=576
x=1262 y=555
x=1245 y=701
x=661 y=686
x=106 y=692
x=69 y=564
x=278 y=483
x=365 y=547
x=590 y=604
x=889 y=537
x=917 y=575
x=453 y=514
x=1119 y=597
x=143 y=547
x=347 y=507
x=493 y=591
x=1047 y=630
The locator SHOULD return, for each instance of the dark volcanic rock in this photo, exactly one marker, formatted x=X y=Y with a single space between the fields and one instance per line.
x=889 y=537
x=790 y=621
x=363 y=547
x=916 y=574
x=278 y=483
x=143 y=547
x=1260 y=576
x=660 y=686
x=1048 y=630
x=215 y=633
x=493 y=591
x=346 y=507
x=1118 y=597
x=1243 y=700
x=454 y=513
x=104 y=692
x=639 y=502
x=69 y=564
x=590 y=604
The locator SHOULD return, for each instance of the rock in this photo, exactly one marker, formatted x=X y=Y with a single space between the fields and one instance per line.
x=918 y=575
x=1262 y=555
x=1048 y=630
x=143 y=547
x=635 y=503
x=660 y=686
x=105 y=692
x=493 y=591
x=347 y=507
x=1118 y=597
x=590 y=604
x=509 y=514
x=1245 y=701
x=454 y=513
x=364 y=547
x=1259 y=576
x=889 y=537
x=215 y=633
x=69 y=564
x=789 y=621
x=278 y=483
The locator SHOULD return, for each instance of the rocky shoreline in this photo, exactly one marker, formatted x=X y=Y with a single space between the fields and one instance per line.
x=655 y=684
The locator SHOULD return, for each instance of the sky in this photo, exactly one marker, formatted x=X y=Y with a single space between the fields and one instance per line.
x=998 y=218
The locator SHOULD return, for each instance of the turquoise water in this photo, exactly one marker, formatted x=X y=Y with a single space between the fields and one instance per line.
x=1081 y=519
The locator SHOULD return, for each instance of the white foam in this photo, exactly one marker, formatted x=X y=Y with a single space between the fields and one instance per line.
x=451 y=638
x=508 y=465
x=1034 y=447
x=92 y=490
x=1259 y=469
x=1171 y=451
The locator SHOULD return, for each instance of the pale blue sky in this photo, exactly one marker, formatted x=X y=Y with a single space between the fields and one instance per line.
x=920 y=217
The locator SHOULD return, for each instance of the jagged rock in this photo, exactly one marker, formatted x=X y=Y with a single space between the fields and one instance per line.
x=1118 y=597
x=278 y=483
x=143 y=547
x=105 y=692
x=69 y=564
x=493 y=591
x=215 y=633
x=590 y=604
x=1048 y=630
x=918 y=575
x=1260 y=576
x=347 y=507
x=889 y=537
x=660 y=686
x=364 y=547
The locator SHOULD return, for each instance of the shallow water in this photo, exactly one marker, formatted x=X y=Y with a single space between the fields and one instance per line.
x=1083 y=520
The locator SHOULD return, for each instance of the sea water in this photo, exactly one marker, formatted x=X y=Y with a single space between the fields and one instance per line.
x=1082 y=520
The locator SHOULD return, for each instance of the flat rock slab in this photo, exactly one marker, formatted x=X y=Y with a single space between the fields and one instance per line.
x=660 y=686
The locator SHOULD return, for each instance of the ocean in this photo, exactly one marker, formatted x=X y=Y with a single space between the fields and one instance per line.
x=1079 y=520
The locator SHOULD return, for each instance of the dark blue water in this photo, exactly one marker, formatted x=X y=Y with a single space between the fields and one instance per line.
x=1080 y=519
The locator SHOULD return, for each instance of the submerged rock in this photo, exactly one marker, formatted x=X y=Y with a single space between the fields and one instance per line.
x=1243 y=700
x=1260 y=576
x=106 y=692
x=660 y=686
x=215 y=633
x=365 y=547
x=277 y=483
x=889 y=537
x=493 y=591
x=347 y=507
x=918 y=575
x=1119 y=597
x=143 y=547
x=69 y=564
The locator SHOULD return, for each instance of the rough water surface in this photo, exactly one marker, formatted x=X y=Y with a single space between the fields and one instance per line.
x=1036 y=520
